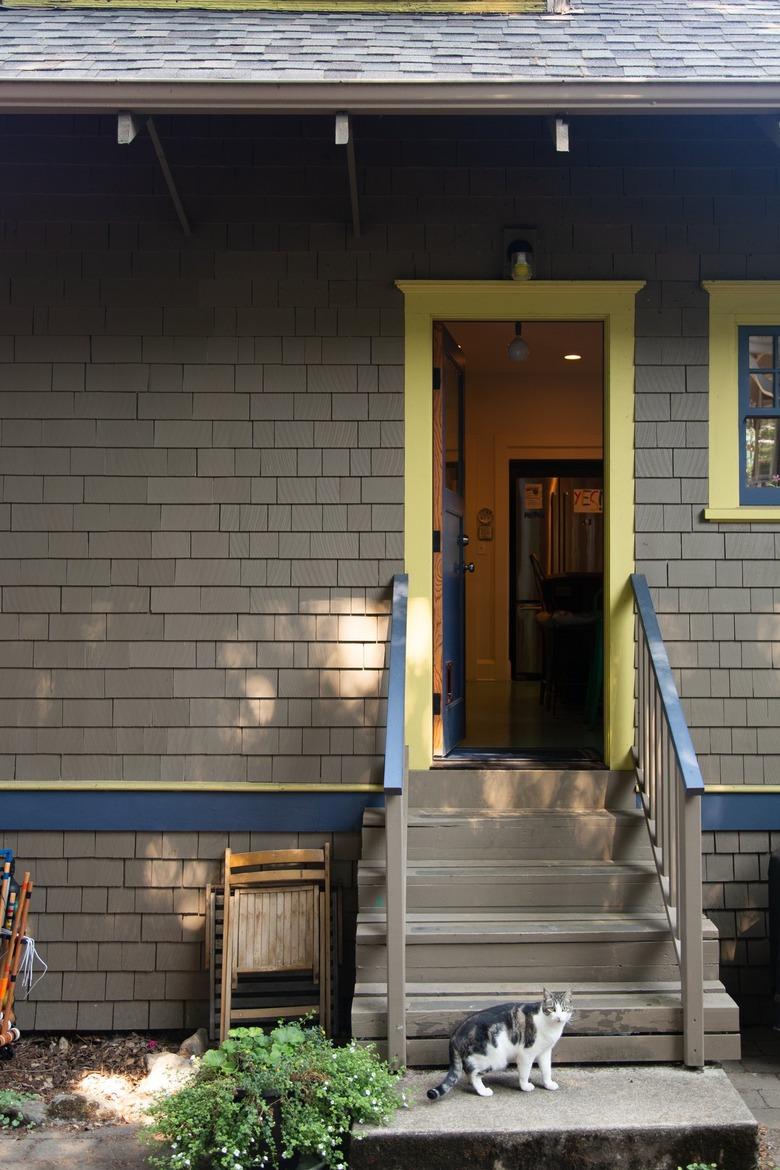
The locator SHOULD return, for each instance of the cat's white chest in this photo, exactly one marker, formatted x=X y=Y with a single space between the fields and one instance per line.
x=548 y=1033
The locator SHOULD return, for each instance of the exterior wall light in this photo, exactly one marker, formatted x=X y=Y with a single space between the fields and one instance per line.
x=572 y=357
x=521 y=260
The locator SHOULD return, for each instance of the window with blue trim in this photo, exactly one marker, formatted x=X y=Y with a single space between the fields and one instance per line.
x=759 y=413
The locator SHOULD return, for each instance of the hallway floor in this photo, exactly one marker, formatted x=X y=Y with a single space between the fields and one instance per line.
x=507 y=717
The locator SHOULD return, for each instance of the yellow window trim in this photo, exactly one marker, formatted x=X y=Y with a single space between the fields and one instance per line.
x=611 y=302
x=733 y=303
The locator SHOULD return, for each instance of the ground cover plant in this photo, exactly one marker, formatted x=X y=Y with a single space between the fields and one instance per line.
x=265 y=1097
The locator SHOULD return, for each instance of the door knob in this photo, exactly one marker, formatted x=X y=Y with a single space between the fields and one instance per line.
x=468 y=567
x=463 y=540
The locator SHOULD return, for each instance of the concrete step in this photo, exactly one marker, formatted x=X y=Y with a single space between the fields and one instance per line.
x=519 y=834
x=601 y=1118
x=452 y=788
x=595 y=885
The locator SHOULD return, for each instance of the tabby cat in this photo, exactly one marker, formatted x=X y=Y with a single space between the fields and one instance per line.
x=518 y=1033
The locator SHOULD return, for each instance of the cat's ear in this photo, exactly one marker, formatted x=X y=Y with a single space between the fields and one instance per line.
x=546 y=997
x=567 y=994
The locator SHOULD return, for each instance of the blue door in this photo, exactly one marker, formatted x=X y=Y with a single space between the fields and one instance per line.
x=449 y=542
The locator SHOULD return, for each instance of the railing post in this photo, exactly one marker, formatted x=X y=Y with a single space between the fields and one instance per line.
x=691 y=945
x=395 y=873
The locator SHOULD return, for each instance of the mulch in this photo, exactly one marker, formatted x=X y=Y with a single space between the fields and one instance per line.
x=45 y=1065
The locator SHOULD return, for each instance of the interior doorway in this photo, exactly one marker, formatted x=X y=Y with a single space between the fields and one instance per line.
x=518 y=541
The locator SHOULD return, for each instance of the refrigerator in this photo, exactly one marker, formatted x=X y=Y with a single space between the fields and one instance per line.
x=559 y=519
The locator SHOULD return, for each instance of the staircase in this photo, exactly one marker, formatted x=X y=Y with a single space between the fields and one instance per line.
x=520 y=879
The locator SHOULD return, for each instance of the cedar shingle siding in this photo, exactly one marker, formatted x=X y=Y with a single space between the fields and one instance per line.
x=202 y=459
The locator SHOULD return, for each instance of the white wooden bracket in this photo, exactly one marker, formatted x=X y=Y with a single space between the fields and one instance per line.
x=345 y=137
x=560 y=129
x=128 y=128
x=559 y=7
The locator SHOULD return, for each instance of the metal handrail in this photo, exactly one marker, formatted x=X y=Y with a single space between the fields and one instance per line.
x=670 y=785
x=396 y=688
x=396 y=797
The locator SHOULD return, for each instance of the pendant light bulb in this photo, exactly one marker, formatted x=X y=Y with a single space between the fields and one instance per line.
x=518 y=349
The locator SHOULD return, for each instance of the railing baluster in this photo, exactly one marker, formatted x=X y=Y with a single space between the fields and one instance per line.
x=672 y=787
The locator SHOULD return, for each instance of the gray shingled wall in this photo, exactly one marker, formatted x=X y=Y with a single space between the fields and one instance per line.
x=201 y=440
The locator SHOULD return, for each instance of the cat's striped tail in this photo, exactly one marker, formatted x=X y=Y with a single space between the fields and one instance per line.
x=451 y=1079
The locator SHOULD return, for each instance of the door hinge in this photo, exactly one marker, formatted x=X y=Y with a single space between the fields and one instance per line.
x=437 y=377
x=436 y=703
x=436 y=540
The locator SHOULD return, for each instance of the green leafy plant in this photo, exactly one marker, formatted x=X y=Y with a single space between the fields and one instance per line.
x=12 y=1109
x=265 y=1096
x=699 y=1166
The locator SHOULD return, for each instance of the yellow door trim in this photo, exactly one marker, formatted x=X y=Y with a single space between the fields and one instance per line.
x=611 y=302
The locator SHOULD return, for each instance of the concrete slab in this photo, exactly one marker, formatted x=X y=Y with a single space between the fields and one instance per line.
x=650 y=1117
x=112 y=1148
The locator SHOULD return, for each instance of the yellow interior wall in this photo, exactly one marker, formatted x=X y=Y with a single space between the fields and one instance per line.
x=514 y=416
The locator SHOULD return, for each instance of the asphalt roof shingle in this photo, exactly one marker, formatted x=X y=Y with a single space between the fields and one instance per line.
x=637 y=40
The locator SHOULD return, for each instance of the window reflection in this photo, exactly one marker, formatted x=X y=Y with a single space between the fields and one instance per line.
x=762 y=462
x=760 y=359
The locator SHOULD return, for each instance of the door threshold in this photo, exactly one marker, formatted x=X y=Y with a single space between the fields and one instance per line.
x=585 y=760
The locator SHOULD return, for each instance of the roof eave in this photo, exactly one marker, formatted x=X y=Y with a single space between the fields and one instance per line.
x=609 y=96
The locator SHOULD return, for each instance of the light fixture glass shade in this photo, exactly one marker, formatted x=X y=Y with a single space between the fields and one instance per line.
x=518 y=350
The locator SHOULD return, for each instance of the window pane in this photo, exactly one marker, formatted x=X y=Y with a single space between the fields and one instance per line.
x=760 y=358
x=762 y=389
x=762 y=452
x=760 y=352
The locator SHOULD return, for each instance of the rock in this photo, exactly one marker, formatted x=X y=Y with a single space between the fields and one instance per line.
x=32 y=1112
x=168 y=1071
x=71 y=1107
x=196 y=1044
x=62 y=1045
x=27 y=1112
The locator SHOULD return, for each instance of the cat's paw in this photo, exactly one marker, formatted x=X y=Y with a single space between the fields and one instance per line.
x=484 y=1091
x=527 y=1087
x=551 y=1085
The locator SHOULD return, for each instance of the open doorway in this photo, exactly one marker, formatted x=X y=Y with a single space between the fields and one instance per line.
x=518 y=524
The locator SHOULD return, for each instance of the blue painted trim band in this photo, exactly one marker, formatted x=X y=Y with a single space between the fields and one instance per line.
x=304 y=812
x=257 y=812
x=743 y=811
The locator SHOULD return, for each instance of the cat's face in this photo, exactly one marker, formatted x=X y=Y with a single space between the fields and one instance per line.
x=558 y=1005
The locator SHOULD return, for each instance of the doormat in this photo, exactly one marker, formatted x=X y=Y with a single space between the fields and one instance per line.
x=584 y=759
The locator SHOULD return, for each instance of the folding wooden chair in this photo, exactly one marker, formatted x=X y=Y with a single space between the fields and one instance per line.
x=276 y=936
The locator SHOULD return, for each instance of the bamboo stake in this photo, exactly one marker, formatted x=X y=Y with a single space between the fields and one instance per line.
x=8 y=1033
x=14 y=920
x=5 y=887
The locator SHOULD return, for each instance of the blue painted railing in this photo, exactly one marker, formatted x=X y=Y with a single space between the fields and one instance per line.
x=396 y=797
x=670 y=787
x=395 y=750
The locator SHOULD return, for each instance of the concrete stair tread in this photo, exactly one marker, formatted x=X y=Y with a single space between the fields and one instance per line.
x=601 y=1118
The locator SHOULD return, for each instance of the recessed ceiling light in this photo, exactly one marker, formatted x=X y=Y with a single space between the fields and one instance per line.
x=572 y=357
